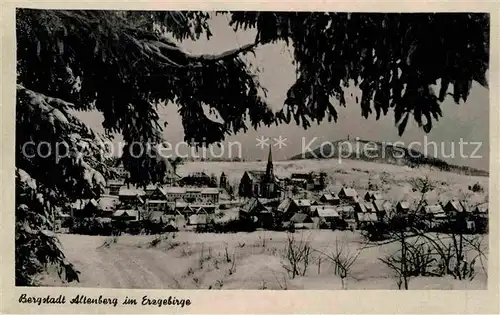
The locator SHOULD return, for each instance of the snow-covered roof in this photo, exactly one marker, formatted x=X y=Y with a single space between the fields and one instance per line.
x=482 y=208
x=126 y=213
x=382 y=205
x=457 y=205
x=198 y=219
x=349 y=192
x=131 y=191
x=325 y=211
x=300 y=218
x=433 y=209
x=329 y=196
x=210 y=190
x=107 y=203
x=367 y=216
x=283 y=206
x=174 y=190
x=404 y=205
x=302 y=202
x=366 y=206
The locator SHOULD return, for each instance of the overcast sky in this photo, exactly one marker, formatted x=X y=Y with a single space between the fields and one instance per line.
x=468 y=121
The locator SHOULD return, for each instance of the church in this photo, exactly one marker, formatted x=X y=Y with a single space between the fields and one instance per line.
x=262 y=184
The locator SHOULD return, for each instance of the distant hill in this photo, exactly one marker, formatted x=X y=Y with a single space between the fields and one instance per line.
x=384 y=153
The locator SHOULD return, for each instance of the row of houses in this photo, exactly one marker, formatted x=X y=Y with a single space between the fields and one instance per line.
x=109 y=208
x=308 y=180
x=169 y=194
x=347 y=207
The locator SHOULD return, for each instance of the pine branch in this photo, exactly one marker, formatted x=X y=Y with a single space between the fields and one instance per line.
x=175 y=56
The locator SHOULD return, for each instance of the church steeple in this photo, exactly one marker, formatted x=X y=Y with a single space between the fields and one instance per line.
x=269 y=169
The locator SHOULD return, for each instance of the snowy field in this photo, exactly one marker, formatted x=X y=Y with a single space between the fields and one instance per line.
x=199 y=261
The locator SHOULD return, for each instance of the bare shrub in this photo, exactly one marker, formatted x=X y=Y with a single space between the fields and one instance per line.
x=196 y=281
x=219 y=283
x=282 y=281
x=296 y=256
x=232 y=269
x=403 y=262
x=173 y=245
x=457 y=254
x=263 y=285
x=201 y=260
x=342 y=259
x=411 y=260
x=161 y=237
x=185 y=252
x=110 y=240
x=226 y=253
x=476 y=244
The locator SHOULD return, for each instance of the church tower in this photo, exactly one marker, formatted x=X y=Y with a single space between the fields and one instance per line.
x=269 y=168
x=223 y=181
x=269 y=187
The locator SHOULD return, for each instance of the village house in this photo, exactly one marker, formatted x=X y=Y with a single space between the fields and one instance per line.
x=327 y=214
x=198 y=179
x=261 y=184
x=200 y=215
x=210 y=194
x=157 y=205
x=288 y=207
x=84 y=208
x=113 y=186
x=149 y=190
x=301 y=221
x=169 y=222
x=107 y=204
x=455 y=207
x=433 y=215
x=373 y=195
x=364 y=219
x=254 y=212
x=198 y=219
x=459 y=215
x=187 y=209
x=363 y=206
x=206 y=208
x=171 y=194
x=131 y=196
x=346 y=212
x=121 y=172
x=104 y=207
x=156 y=200
x=403 y=207
x=432 y=211
x=282 y=208
x=300 y=205
x=126 y=215
x=481 y=210
x=480 y=216
x=382 y=207
x=330 y=198
x=348 y=195
x=302 y=180
x=309 y=181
